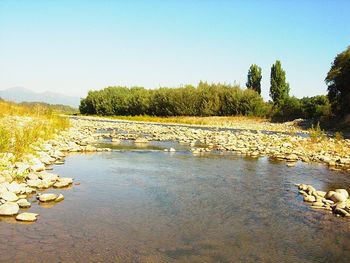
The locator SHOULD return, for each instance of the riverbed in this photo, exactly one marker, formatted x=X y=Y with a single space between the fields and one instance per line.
x=141 y=204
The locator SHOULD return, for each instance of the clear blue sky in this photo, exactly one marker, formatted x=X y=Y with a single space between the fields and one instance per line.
x=74 y=46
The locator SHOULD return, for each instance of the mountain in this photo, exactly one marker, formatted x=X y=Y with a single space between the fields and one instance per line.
x=19 y=94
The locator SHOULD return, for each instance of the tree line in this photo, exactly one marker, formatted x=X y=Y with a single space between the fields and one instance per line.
x=224 y=99
x=203 y=100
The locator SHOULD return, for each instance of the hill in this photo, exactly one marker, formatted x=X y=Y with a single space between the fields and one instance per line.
x=20 y=94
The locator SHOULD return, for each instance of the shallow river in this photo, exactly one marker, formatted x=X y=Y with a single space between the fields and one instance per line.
x=151 y=206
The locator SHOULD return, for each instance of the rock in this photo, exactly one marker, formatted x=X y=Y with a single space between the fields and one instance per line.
x=59 y=198
x=141 y=140
x=23 y=203
x=27 y=217
x=9 y=209
x=319 y=204
x=338 y=197
x=63 y=182
x=292 y=158
x=341 y=212
x=343 y=192
x=35 y=183
x=321 y=193
x=14 y=188
x=30 y=190
x=90 y=148
x=329 y=194
x=47 y=197
x=172 y=150
x=291 y=164
x=302 y=187
x=48 y=176
x=309 y=198
x=9 y=196
x=38 y=167
x=32 y=176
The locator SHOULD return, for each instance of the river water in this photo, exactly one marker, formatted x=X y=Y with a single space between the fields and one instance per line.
x=140 y=204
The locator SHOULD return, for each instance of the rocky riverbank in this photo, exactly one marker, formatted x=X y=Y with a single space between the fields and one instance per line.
x=278 y=145
x=336 y=201
x=23 y=180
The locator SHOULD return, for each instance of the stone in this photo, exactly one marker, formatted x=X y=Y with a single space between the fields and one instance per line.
x=317 y=203
x=47 y=197
x=14 y=187
x=48 y=176
x=329 y=194
x=59 y=198
x=90 y=148
x=321 y=193
x=34 y=183
x=292 y=158
x=27 y=217
x=63 y=182
x=23 y=203
x=341 y=212
x=9 y=209
x=9 y=196
x=141 y=140
x=338 y=197
x=38 y=167
x=309 y=198
x=32 y=176
x=343 y=192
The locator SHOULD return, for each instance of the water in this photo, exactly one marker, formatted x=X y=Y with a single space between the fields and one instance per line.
x=151 y=206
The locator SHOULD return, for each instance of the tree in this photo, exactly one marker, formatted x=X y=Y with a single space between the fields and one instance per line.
x=279 y=89
x=338 y=81
x=254 y=78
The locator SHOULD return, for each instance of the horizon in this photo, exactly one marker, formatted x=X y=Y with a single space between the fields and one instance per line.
x=70 y=48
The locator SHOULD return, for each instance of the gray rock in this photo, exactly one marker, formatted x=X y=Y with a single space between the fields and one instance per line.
x=27 y=217
x=59 y=198
x=23 y=203
x=47 y=197
x=338 y=197
x=309 y=198
x=9 y=209
x=9 y=196
x=343 y=192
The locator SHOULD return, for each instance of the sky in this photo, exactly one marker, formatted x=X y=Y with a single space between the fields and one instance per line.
x=75 y=46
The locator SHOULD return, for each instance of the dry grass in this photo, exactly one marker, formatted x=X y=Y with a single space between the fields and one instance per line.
x=23 y=126
x=211 y=121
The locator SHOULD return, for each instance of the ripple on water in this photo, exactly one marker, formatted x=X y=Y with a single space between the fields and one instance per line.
x=151 y=206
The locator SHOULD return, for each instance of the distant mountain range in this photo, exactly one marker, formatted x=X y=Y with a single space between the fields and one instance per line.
x=19 y=94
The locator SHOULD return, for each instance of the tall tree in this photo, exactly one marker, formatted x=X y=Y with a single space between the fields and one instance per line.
x=279 y=89
x=338 y=81
x=254 y=78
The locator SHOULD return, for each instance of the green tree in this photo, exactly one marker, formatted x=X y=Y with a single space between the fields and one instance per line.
x=254 y=78
x=279 y=89
x=338 y=81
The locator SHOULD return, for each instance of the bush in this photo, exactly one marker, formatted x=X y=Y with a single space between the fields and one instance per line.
x=203 y=100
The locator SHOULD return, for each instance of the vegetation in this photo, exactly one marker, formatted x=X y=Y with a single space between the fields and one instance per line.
x=338 y=80
x=22 y=126
x=203 y=100
x=279 y=90
x=230 y=100
x=57 y=108
x=316 y=133
x=254 y=78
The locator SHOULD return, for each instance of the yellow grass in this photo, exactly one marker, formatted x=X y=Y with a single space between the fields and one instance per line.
x=23 y=126
x=211 y=121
